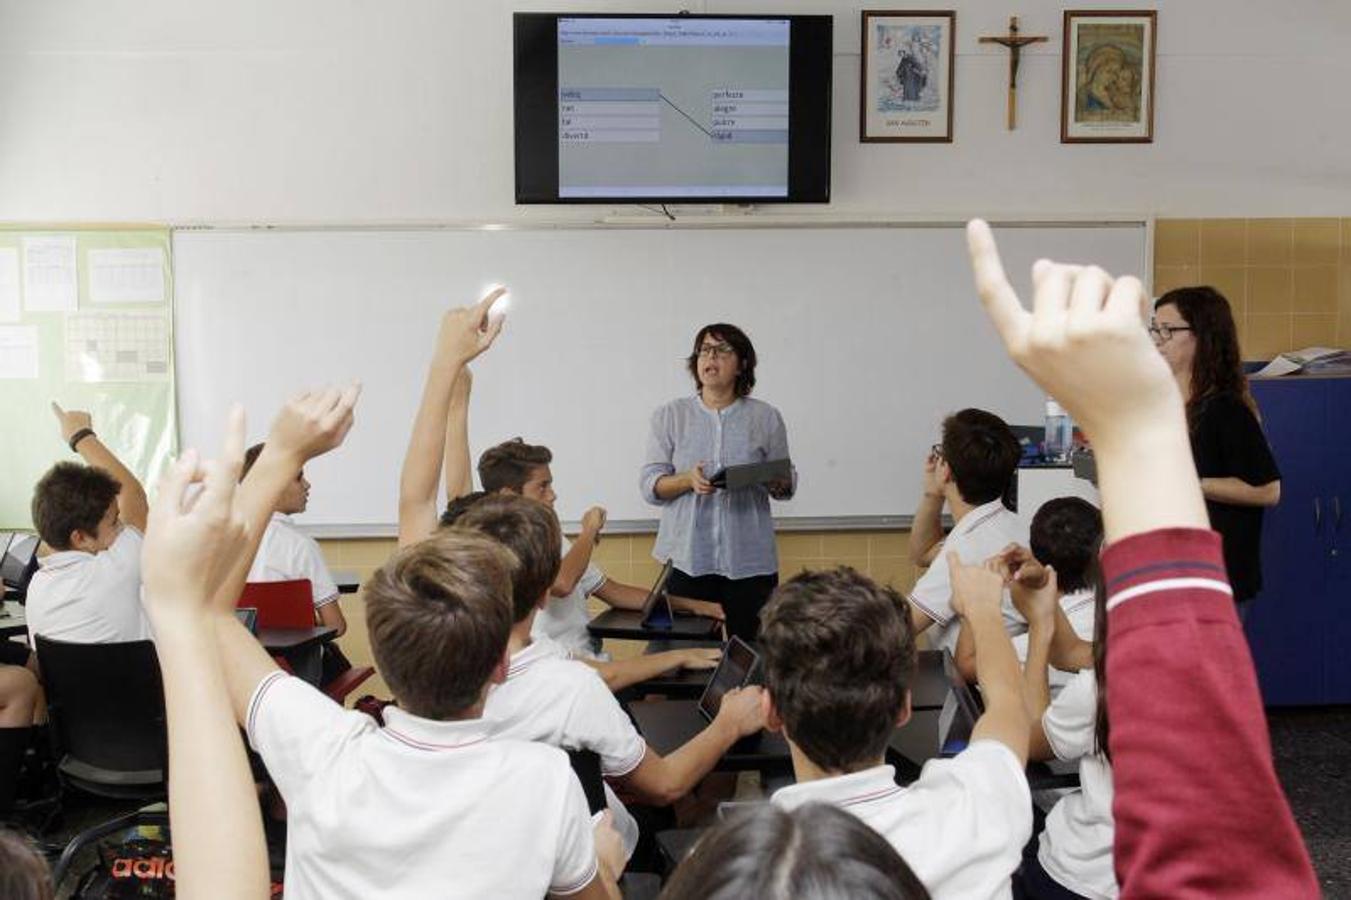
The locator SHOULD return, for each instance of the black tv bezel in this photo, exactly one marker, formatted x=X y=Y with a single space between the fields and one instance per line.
x=535 y=109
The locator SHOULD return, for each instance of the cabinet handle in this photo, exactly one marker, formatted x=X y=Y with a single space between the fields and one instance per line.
x=1317 y=514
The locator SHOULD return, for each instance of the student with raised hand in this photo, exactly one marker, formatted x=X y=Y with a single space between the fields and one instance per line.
x=1198 y=809
x=193 y=539
x=838 y=656
x=549 y=697
x=521 y=469
x=967 y=473
x=815 y=852
x=425 y=805
x=286 y=553
x=92 y=515
x=465 y=333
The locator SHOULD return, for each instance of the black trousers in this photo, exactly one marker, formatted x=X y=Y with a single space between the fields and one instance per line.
x=741 y=598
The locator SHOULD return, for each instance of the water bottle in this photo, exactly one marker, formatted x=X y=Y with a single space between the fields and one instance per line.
x=1059 y=433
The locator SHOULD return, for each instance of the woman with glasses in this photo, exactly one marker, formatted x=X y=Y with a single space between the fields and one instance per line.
x=1194 y=330
x=721 y=542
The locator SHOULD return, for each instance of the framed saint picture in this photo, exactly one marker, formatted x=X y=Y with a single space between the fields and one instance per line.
x=905 y=91
x=1107 y=92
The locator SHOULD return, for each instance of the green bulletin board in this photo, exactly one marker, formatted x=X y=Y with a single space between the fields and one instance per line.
x=111 y=354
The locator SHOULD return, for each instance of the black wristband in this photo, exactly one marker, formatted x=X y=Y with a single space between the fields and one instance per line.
x=79 y=436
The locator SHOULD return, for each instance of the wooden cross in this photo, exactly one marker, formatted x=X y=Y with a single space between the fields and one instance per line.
x=1015 y=43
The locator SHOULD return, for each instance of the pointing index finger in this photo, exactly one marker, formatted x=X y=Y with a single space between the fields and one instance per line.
x=997 y=295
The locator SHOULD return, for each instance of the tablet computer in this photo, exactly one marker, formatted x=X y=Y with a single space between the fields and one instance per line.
x=735 y=477
x=657 y=607
x=960 y=711
x=248 y=617
x=735 y=670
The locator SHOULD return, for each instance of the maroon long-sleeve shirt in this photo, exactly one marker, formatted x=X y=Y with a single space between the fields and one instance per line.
x=1199 y=812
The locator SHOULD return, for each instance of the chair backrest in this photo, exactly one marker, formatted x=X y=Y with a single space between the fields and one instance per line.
x=106 y=703
x=13 y=746
x=281 y=604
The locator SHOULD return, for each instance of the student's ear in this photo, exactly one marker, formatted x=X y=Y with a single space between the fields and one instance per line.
x=943 y=471
x=499 y=675
x=80 y=540
x=905 y=712
x=772 y=720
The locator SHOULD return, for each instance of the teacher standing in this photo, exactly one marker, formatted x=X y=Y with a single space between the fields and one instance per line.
x=721 y=542
x=1194 y=330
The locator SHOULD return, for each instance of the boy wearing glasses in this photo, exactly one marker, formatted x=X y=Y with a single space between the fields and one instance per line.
x=968 y=473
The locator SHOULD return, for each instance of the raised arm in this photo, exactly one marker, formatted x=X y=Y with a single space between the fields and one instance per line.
x=308 y=426
x=1038 y=602
x=458 y=466
x=191 y=542
x=1188 y=824
x=573 y=565
x=464 y=334
x=977 y=596
x=133 y=507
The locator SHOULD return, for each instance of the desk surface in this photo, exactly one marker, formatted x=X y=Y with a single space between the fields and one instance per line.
x=626 y=624
x=930 y=686
x=286 y=640
x=13 y=621
x=667 y=725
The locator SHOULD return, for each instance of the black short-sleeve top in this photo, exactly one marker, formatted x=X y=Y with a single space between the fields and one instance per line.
x=1228 y=442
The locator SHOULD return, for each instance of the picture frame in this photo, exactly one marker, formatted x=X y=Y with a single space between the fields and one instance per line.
x=905 y=82
x=1107 y=76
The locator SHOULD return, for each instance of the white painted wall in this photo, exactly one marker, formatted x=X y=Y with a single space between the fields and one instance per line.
x=358 y=111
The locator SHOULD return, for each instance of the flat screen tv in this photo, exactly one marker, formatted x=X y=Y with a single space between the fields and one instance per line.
x=614 y=108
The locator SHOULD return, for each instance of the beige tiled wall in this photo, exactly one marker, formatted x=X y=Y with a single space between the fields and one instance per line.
x=1288 y=280
x=628 y=558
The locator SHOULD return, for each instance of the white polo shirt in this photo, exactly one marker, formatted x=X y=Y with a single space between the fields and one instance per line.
x=90 y=598
x=419 y=808
x=550 y=698
x=961 y=826
x=286 y=553
x=980 y=534
x=1076 y=847
x=1079 y=609
x=564 y=619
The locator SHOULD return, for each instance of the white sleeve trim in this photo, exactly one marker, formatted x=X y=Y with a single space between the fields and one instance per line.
x=592 y=871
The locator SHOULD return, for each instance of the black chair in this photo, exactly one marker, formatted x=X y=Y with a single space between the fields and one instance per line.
x=106 y=707
x=586 y=764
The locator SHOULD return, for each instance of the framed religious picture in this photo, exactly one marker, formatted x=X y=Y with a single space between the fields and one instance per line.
x=905 y=91
x=1107 y=83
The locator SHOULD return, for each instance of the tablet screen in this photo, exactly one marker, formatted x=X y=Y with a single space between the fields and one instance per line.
x=734 y=671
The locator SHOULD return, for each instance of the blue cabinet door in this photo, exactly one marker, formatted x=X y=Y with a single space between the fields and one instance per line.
x=1287 y=623
x=1337 y=594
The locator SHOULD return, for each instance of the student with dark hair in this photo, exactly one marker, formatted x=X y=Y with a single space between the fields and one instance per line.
x=815 y=852
x=968 y=474
x=1187 y=823
x=93 y=516
x=515 y=467
x=1194 y=331
x=287 y=553
x=838 y=656
x=721 y=541
x=425 y=804
x=1066 y=535
x=548 y=696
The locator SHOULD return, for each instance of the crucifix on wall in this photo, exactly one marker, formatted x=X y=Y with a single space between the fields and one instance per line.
x=1015 y=43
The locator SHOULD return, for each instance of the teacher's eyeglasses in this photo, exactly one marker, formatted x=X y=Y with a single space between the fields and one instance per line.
x=1163 y=333
x=713 y=351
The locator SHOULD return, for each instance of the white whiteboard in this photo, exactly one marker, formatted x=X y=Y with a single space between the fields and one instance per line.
x=867 y=337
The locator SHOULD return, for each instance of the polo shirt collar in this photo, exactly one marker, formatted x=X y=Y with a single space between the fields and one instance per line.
x=431 y=735
x=282 y=517
x=62 y=559
x=538 y=649
x=843 y=791
x=979 y=516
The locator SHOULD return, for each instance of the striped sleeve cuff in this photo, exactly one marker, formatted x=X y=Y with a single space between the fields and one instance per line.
x=576 y=885
x=1166 y=561
x=256 y=701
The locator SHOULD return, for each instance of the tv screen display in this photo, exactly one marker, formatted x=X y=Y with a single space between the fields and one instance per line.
x=656 y=109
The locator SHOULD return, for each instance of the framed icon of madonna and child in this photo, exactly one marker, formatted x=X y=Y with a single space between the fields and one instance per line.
x=905 y=91
x=1107 y=93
